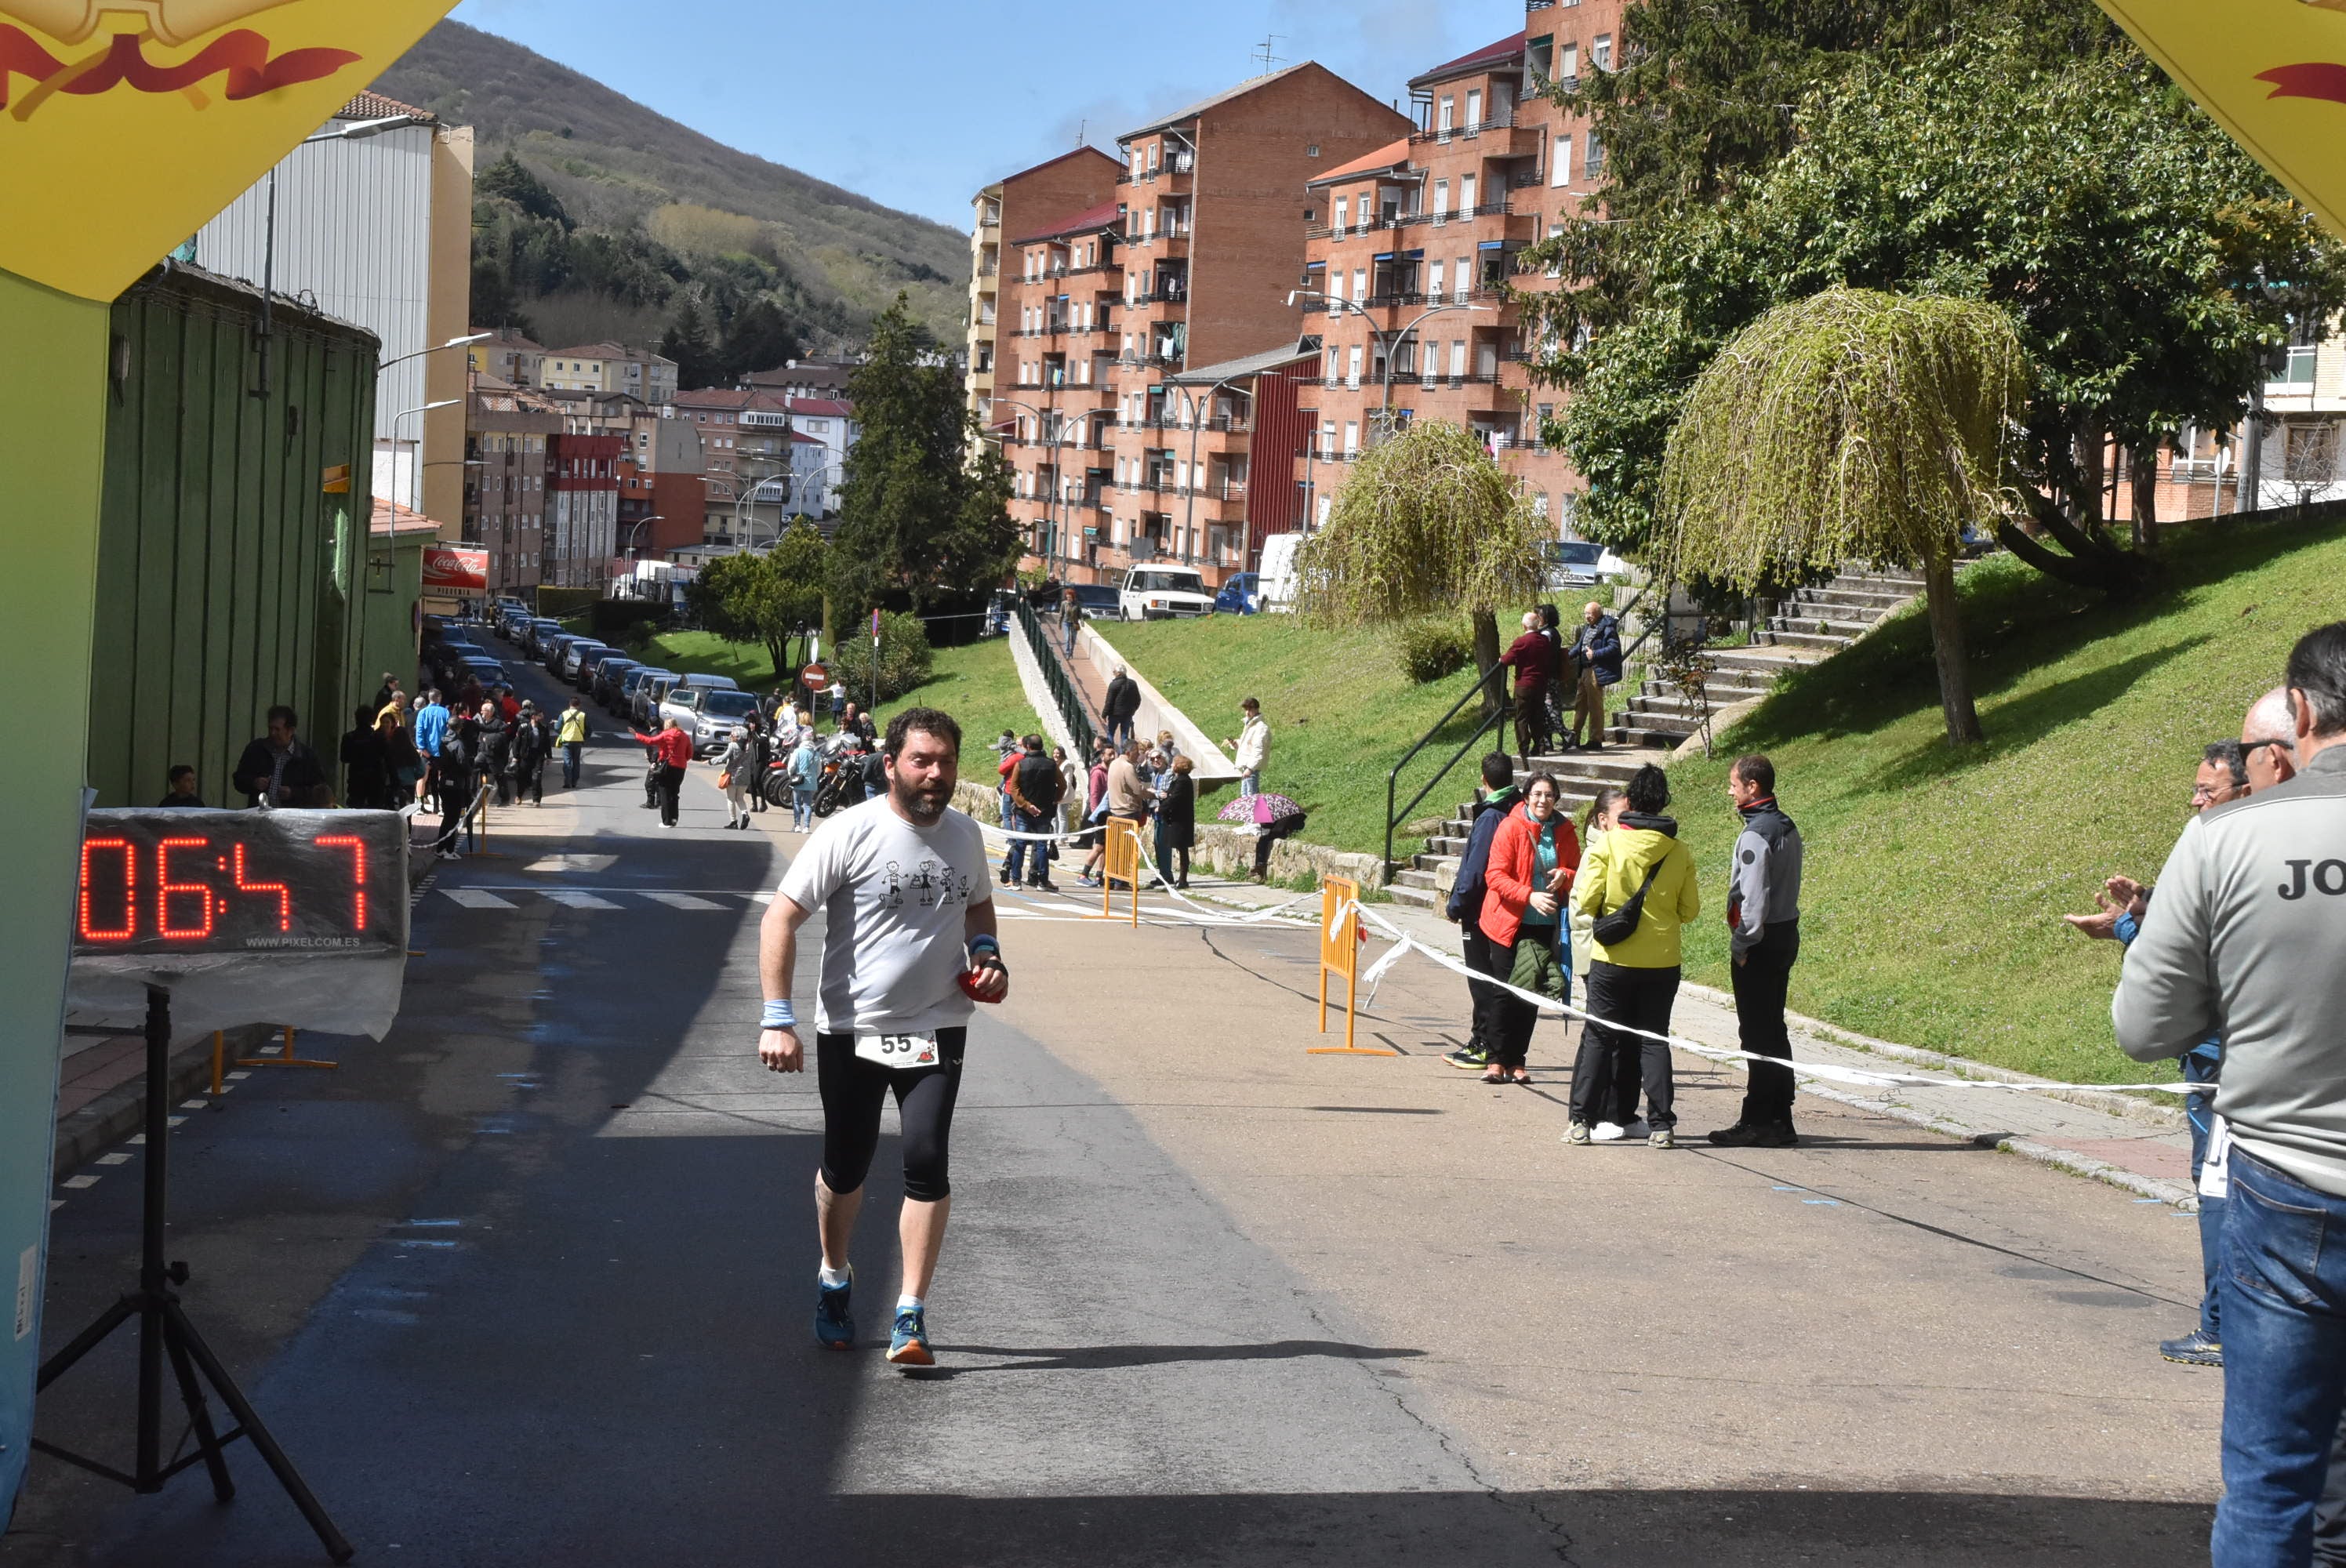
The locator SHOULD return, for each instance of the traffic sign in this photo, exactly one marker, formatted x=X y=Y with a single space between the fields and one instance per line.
x=815 y=676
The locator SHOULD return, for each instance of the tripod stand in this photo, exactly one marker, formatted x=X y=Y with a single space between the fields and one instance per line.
x=164 y=1332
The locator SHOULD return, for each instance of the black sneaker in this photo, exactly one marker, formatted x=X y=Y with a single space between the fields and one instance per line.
x=1757 y=1135
x=2194 y=1350
x=1005 y=876
x=1469 y=1059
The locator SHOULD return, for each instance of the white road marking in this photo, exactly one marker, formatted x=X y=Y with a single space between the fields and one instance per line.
x=77 y=1183
x=474 y=898
x=684 y=901
x=114 y=1159
x=578 y=900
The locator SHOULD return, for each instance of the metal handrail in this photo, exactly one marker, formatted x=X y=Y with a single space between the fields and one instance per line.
x=1497 y=718
x=1393 y=781
x=1065 y=693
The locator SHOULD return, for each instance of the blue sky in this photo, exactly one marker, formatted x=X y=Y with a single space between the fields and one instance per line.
x=918 y=103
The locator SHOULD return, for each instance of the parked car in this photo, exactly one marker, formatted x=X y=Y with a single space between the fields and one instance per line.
x=712 y=682
x=588 y=658
x=609 y=674
x=644 y=708
x=1163 y=593
x=715 y=712
x=622 y=702
x=573 y=650
x=1577 y=563
x=487 y=670
x=1100 y=601
x=1241 y=595
x=536 y=634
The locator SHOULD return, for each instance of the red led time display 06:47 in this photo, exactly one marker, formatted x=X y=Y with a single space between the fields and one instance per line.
x=232 y=882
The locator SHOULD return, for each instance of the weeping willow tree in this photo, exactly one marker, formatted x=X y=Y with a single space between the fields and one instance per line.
x=1852 y=425
x=1427 y=523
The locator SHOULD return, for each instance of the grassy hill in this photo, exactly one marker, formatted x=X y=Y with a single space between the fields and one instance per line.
x=1935 y=879
x=618 y=166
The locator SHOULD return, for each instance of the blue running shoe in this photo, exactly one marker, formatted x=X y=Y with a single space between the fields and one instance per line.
x=909 y=1345
x=834 y=1323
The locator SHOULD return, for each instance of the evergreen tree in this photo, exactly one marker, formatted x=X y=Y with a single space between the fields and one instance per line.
x=919 y=517
x=761 y=340
x=686 y=343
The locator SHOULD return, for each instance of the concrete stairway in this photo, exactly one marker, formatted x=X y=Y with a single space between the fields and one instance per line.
x=1811 y=625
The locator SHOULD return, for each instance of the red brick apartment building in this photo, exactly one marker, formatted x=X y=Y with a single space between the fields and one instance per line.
x=1099 y=310
x=1413 y=252
x=1029 y=201
x=506 y=435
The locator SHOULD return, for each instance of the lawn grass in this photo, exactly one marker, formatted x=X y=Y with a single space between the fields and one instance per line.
x=1935 y=879
x=1340 y=712
x=706 y=652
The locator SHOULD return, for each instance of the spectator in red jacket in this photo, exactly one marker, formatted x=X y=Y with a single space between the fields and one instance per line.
x=671 y=753
x=1533 y=657
x=1526 y=883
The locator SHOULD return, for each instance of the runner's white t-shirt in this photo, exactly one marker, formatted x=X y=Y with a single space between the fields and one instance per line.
x=893 y=900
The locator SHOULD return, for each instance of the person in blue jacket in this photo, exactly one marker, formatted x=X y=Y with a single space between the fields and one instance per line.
x=1596 y=656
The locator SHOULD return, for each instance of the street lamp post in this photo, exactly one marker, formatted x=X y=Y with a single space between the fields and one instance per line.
x=1398 y=334
x=1051 y=526
x=415 y=491
x=1190 y=407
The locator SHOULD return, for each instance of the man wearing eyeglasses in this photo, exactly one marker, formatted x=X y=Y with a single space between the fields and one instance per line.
x=2269 y=740
x=2248 y=932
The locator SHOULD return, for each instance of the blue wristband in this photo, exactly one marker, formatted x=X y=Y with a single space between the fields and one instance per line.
x=982 y=943
x=778 y=1015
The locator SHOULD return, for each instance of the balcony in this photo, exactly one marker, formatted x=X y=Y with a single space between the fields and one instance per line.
x=1503 y=120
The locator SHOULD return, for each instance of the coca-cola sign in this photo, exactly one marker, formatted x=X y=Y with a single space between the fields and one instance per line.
x=455 y=570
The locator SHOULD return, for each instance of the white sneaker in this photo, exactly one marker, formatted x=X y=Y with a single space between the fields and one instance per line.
x=1606 y=1133
x=1637 y=1128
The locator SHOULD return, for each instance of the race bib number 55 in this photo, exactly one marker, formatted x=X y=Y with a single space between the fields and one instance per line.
x=899 y=1051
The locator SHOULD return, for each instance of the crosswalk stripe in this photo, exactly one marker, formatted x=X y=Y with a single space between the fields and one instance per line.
x=474 y=898
x=578 y=900
x=684 y=901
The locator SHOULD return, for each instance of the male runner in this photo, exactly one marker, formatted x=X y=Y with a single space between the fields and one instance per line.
x=908 y=943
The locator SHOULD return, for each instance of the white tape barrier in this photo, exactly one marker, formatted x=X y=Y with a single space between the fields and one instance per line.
x=1857 y=1077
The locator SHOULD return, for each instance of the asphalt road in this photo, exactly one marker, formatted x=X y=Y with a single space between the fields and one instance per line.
x=528 y=1283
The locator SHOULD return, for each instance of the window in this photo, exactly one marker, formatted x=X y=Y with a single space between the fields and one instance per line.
x=1474 y=108
x=1360 y=285
x=1312 y=150
x=1343 y=208
x=1462 y=274
x=1352 y=367
x=1600 y=52
x=1447 y=114
x=1457 y=358
x=1351 y=436
x=1466 y=194
x=1593 y=165
x=1541 y=55
x=1441 y=199
x=1329 y=375
x=1559 y=167
x=1567 y=62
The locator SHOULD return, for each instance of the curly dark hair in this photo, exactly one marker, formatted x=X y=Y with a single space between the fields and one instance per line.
x=933 y=721
x=1650 y=791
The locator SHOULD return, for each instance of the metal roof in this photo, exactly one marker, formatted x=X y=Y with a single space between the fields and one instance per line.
x=1249 y=365
x=1488 y=55
x=1108 y=214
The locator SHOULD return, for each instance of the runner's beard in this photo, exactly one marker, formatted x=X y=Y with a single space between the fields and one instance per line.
x=921 y=805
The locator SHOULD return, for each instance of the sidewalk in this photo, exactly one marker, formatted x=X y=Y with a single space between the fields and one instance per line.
x=2136 y=1143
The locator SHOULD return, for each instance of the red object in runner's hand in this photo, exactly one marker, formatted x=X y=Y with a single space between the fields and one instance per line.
x=969 y=978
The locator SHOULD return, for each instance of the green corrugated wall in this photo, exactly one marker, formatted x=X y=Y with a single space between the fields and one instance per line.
x=226 y=574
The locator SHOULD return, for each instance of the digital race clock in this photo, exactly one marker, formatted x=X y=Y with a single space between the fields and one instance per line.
x=295 y=883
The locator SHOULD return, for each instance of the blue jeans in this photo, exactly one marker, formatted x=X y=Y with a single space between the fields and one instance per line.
x=2284 y=1312
x=1249 y=785
x=1070 y=646
x=802 y=808
x=1017 y=861
x=1119 y=733
x=570 y=752
x=2201 y=1109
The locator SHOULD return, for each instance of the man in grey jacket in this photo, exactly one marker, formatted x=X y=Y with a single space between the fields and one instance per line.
x=2246 y=935
x=1763 y=919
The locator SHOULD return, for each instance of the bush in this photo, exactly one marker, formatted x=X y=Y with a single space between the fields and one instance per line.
x=561 y=603
x=1429 y=649
x=904 y=657
x=625 y=623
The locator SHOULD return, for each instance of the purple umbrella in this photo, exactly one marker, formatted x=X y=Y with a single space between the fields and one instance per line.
x=1262 y=809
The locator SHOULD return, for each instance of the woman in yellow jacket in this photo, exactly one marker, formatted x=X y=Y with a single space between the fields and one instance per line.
x=1632 y=982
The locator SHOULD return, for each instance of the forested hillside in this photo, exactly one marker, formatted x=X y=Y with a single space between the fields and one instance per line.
x=598 y=218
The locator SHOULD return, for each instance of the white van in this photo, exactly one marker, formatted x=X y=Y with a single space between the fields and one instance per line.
x=1163 y=593
x=1277 y=571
